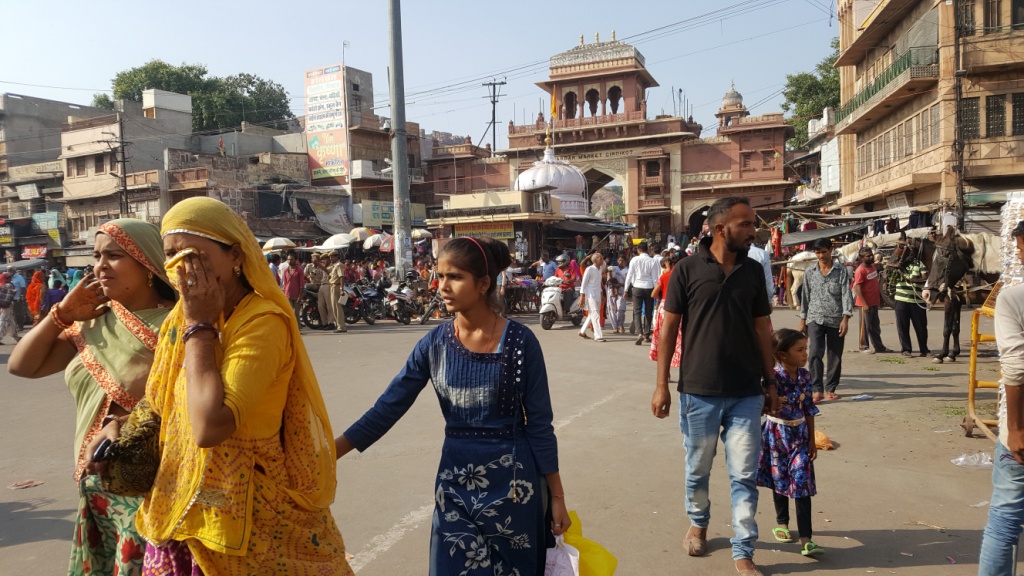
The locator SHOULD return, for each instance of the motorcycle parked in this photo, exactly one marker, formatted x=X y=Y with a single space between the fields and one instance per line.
x=552 y=309
x=400 y=303
x=309 y=312
x=436 y=303
x=373 y=300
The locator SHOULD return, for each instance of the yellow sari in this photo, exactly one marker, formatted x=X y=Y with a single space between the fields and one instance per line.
x=259 y=502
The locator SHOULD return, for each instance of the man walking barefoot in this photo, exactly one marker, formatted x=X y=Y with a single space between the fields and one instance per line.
x=720 y=294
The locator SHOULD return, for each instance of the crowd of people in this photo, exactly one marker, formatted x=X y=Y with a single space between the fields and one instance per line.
x=203 y=444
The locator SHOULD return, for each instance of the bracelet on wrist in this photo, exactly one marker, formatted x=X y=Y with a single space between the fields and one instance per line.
x=110 y=418
x=55 y=316
x=558 y=496
x=194 y=329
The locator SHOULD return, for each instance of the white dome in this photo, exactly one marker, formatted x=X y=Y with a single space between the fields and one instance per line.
x=569 y=183
x=732 y=98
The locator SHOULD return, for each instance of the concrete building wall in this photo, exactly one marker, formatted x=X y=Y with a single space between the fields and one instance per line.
x=30 y=128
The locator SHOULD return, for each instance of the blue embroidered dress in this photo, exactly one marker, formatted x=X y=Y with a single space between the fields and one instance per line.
x=490 y=496
x=785 y=465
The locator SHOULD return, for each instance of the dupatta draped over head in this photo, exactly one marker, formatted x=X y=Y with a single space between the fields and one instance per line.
x=34 y=292
x=189 y=473
x=115 y=351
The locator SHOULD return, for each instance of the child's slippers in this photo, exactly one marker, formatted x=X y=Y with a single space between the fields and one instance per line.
x=783 y=535
x=811 y=549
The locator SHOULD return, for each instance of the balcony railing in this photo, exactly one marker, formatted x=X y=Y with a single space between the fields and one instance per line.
x=925 y=58
x=142 y=179
x=580 y=122
x=652 y=181
x=655 y=203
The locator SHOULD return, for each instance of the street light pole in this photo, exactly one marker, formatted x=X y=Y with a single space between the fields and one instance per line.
x=399 y=155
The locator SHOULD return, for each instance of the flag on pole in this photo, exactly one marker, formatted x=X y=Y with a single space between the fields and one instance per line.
x=554 y=102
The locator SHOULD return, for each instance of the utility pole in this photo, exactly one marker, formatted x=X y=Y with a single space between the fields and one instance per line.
x=399 y=156
x=492 y=92
x=123 y=196
x=958 y=135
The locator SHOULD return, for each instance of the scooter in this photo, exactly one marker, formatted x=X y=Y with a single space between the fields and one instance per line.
x=551 y=308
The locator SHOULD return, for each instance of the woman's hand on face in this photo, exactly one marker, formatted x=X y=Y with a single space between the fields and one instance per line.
x=203 y=299
x=560 y=520
x=83 y=301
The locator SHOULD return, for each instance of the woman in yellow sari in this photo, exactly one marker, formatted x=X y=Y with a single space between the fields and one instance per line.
x=247 y=471
x=106 y=351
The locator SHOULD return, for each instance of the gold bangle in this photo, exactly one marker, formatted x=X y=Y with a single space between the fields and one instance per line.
x=558 y=496
x=56 y=318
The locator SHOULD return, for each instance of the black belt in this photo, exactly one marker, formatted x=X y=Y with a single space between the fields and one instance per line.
x=463 y=432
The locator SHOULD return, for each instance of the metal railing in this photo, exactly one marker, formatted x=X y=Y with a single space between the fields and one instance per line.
x=920 y=56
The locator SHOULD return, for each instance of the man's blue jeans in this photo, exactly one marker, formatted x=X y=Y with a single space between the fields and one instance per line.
x=1005 y=515
x=738 y=420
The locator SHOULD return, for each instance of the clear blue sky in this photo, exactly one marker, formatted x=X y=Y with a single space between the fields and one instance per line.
x=756 y=43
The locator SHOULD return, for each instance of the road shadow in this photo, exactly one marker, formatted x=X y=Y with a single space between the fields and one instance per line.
x=25 y=522
x=867 y=550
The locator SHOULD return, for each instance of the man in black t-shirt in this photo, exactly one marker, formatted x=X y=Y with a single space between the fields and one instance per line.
x=727 y=371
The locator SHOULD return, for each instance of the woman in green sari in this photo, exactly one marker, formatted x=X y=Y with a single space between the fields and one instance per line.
x=102 y=335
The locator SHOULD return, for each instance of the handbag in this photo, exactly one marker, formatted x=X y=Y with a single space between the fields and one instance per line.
x=133 y=459
x=562 y=560
x=343 y=299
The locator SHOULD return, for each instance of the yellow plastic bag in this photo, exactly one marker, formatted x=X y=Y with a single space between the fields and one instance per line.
x=594 y=559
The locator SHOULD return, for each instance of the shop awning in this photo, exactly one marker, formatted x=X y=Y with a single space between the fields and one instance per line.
x=794 y=238
x=582 y=227
x=876 y=214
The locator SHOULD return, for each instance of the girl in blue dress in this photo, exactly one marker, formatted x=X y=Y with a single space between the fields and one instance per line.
x=497 y=494
x=787 y=441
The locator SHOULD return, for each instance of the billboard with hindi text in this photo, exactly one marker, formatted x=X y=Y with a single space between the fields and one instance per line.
x=326 y=126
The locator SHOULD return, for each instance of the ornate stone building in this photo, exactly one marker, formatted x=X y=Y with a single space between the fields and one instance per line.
x=602 y=128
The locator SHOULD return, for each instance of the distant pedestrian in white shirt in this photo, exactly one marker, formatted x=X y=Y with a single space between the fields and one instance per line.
x=590 y=294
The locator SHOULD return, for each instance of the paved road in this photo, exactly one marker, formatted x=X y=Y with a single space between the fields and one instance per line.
x=889 y=500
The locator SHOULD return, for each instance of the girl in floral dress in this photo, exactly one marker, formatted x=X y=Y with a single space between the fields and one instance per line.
x=497 y=494
x=659 y=316
x=787 y=441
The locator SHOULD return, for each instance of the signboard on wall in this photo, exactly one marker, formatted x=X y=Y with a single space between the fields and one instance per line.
x=375 y=213
x=326 y=126
x=496 y=230
x=45 y=220
x=34 y=251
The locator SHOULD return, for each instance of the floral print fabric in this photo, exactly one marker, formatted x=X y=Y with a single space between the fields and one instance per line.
x=488 y=513
x=105 y=543
x=785 y=465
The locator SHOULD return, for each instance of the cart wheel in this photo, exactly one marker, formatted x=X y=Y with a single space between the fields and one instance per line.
x=968 y=425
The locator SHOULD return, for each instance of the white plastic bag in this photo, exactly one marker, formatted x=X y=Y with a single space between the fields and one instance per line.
x=562 y=560
x=977 y=461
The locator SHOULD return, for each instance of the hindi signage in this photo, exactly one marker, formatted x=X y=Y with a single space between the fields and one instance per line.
x=327 y=126
x=496 y=230
x=377 y=214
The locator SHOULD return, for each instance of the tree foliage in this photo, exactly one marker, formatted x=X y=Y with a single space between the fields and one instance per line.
x=808 y=93
x=102 y=100
x=217 y=103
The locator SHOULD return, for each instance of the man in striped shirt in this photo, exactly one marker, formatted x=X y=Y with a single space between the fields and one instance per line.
x=910 y=304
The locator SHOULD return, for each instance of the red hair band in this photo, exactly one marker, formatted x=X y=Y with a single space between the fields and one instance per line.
x=487 y=270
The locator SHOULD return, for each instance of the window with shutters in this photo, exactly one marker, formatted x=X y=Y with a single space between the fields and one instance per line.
x=995 y=115
x=993 y=15
x=1017 y=111
x=935 y=125
x=970 y=117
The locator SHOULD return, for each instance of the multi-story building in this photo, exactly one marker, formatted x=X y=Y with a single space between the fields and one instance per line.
x=31 y=174
x=899 y=113
x=746 y=157
x=113 y=164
